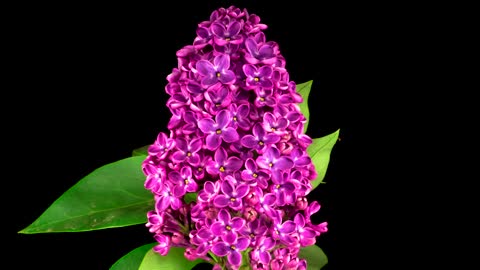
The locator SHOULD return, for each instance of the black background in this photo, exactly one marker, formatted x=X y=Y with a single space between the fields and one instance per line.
x=90 y=81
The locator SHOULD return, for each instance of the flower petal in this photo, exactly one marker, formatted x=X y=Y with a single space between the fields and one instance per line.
x=234 y=258
x=221 y=201
x=230 y=135
x=220 y=249
x=213 y=141
x=205 y=68
x=249 y=141
x=221 y=62
x=207 y=125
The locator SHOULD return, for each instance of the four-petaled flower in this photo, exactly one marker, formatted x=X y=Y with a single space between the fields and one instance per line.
x=218 y=72
x=218 y=130
x=231 y=246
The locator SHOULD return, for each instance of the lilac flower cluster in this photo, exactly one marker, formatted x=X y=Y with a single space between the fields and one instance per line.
x=237 y=147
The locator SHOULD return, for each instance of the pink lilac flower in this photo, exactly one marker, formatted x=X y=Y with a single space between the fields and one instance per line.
x=236 y=145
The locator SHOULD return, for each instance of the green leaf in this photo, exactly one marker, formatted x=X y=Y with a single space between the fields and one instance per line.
x=133 y=259
x=190 y=197
x=315 y=257
x=319 y=152
x=173 y=260
x=304 y=90
x=141 y=151
x=111 y=196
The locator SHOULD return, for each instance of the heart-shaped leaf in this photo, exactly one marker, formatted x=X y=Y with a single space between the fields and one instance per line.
x=133 y=259
x=111 y=196
x=315 y=257
x=173 y=260
x=319 y=151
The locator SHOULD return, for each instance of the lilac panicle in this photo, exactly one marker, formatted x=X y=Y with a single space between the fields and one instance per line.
x=235 y=145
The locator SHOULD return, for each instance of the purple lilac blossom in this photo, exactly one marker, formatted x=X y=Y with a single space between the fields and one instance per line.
x=236 y=142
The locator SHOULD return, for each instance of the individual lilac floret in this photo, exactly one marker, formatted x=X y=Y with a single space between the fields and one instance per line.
x=232 y=195
x=231 y=246
x=229 y=34
x=258 y=77
x=218 y=130
x=226 y=224
x=216 y=72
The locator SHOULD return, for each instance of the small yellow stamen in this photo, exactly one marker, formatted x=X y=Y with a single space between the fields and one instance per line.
x=186 y=181
x=219 y=131
x=232 y=199
x=234 y=118
x=222 y=169
x=233 y=247
x=227 y=39
x=217 y=105
x=273 y=129
x=270 y=164
x=252 y=235
x=262 y=99
x=228 y=227
x=200 y=169
x=277 y=186
x=218 y=74
x=260 y=143
x=254 y=175
x=256 y=79
x=189 y=154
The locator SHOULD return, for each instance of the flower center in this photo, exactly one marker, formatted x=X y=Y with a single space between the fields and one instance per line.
x=186 y=181
x=256 y=79
x=262 y=99
x=189 y=154
x=254 y=175
x=219 y=131
x=260 y=143
x=217 y=104
x=222 y=169
x=277 y=186
x=273 y=129
x=218 y=74
x=228 y=227
x=227 y=39
x=232 y=199
x=200 y=169
x=233 y=247
x=270 y=164
x=234 y=118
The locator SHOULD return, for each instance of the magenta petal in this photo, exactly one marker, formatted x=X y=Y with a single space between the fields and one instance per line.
x=242 y=243
x=222 y=118
x=209 y=80
x=181 y=144
x=235 y=258
x=205 y=68
x=221 y=201
x=265 y=257
x=249 y=141
x=230 y=135
x=303 y=161
x=175 y=177
x=194 y=159
x=178 y=157
x=224 y=216
x=227 y=188
x=269 y=199
x=222 y=61
x=206 y=125
x=237 y=223
x=284 y=163
x=234 y=28
x=267 y=84
x=213 y=141
x=162 y=204
x=220 y=155
x=251 y=46
x=308 y=233
x=217 y=228
x=218 y=29
x=234 y=163
x=288 y=227
x=249 y=70
x=242 y=190
x=271 y=138
x=227 y=77
x=209 y=187
x=265 y=71
x=220 y=249
x=243 y=110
